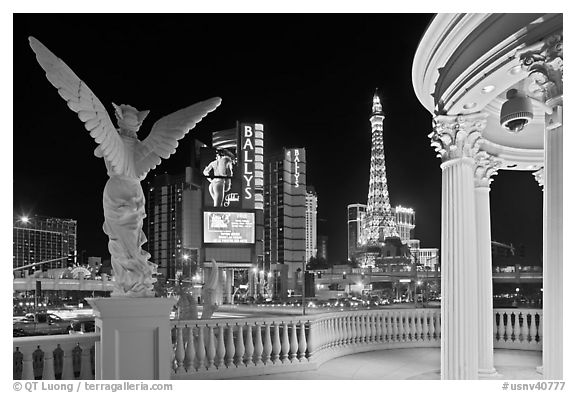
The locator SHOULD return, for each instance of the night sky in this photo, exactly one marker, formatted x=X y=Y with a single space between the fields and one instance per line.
x=308 y=78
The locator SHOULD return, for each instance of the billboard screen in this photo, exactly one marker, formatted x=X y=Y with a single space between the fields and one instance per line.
x=228 y=227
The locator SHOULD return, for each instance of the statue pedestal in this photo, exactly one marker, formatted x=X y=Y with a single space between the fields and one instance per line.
x=135 y=341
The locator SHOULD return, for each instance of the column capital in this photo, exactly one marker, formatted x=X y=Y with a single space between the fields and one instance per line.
x=458 y=136
x=539 y=176
x=486 y=166
x=545 y=63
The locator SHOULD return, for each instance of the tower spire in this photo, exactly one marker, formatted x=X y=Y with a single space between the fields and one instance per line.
x=380 y=222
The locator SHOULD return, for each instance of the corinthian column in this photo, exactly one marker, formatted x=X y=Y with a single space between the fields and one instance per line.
x=552 y=343
x=545 y=63
x=486 y=167
x=457 y=139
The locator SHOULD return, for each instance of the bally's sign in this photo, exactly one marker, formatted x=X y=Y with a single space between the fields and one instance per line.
x=252 y=161
x=296 y=166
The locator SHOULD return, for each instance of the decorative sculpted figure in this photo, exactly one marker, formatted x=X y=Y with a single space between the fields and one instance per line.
x=128 y=160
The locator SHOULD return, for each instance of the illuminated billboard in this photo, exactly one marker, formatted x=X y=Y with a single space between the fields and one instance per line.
x=223 y=183
x=228 y=227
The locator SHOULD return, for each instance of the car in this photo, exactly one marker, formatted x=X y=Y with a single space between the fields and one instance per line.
x=40 y=324
x=81 y=326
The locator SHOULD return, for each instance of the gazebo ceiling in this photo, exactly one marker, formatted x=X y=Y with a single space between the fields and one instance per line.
x=467 y=63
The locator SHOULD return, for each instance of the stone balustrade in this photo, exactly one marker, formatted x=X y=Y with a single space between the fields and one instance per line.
x=232 y=348
x=518 y=328
x=64 y=356
x=229 y=348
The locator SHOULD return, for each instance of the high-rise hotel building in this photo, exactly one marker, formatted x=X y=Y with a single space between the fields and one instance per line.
x=285 y=217
x=38 y=239
x=311 y=223
x=174 y=223
x=356 y=215
x=405 y=219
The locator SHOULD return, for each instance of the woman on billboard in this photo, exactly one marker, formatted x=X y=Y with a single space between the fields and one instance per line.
x=221 y=178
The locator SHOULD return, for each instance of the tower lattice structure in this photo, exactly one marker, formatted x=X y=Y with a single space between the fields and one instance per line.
x=379 y=222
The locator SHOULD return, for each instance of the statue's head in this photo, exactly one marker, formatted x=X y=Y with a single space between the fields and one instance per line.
x=128 y=117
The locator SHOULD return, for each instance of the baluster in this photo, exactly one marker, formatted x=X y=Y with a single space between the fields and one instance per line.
x=383 y=327
x=354 y=338
x=418 y=315
x=293 y=342
x=220 y=347
x=239 y=347
x=249 y=346
x=302 y=342
x=413 y=332
x=349 y=332
x=386 y=327
x=57 y=355
x=508 y=326
x=67 y=367
x=498 y=331
x=230 y=347
x=523 y=328
x=267 y=348
x=360 y=329
x=515 y=326
x=285 y=342
x=333 y=332
x=86 y=366
x=377 y=327
x=369 y=330
x=27 y=370
x=402 y=326
x=328 y=328
x=201 y=349
x=339 y=331
x=495 y=326
x=48 y=373
x=532 y=329
x=211 y=348
x=425 y=328
x=190 y=351
x=539 y=321
x=276 y=347
x=311 y=338
x=179 y=350
x=258 y=347
x=343 y=330
x=431 y=330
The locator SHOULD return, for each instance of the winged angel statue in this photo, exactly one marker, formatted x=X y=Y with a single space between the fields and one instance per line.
x=128 y=160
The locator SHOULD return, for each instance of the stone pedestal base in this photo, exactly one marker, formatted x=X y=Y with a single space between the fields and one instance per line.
x=135 y=341
x=488 y=373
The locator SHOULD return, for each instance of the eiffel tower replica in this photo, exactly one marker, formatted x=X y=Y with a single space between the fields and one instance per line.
x=379 y=223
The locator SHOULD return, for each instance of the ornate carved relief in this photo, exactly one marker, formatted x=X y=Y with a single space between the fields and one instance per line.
x=486 y=166
x=457 y=136
x=545 y=62
x=539 y=176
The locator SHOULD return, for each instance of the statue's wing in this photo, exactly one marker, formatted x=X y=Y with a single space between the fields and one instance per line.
x=81 y=100
x=166 y=132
